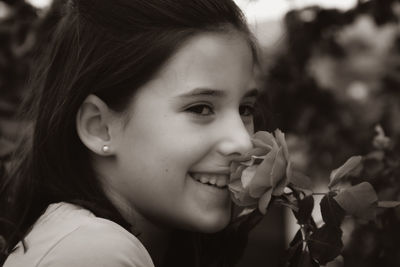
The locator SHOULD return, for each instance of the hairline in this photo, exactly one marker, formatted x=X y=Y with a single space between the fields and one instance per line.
x=224 y=29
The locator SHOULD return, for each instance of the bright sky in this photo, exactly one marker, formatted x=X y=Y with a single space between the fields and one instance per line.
x=261 y=10
x=39 y=3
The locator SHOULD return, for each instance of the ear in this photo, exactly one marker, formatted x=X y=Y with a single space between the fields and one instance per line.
x=93 y=124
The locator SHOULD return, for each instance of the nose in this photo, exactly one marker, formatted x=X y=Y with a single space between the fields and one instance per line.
x=236 y=139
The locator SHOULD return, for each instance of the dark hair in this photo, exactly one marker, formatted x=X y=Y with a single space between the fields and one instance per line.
x=106 y=48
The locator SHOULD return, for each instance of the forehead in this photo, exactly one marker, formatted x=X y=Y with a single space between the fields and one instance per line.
x=214 y=60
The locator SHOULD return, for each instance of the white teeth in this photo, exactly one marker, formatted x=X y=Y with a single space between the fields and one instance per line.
x=213 y=180
x=203 y=179
x=219 y=180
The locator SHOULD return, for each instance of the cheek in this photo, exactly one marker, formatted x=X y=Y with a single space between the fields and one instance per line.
x=169 y=139
x=156 y=158
x=163 y=145
x=180 y=151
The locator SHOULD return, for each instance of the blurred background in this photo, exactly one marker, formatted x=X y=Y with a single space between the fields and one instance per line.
x=331 y=73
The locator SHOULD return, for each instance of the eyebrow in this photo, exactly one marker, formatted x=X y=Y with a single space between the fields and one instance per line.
x=215 y=92
x=251 y=93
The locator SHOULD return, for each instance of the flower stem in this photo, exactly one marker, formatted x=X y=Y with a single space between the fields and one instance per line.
x=303 y=237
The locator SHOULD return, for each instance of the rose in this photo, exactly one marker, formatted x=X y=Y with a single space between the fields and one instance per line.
x=261 y=173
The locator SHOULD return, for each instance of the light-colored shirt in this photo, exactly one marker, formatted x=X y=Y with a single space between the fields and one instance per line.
x=67 y=235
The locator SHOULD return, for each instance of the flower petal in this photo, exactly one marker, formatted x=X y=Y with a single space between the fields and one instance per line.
x=240 y=195
x=243 y=199
x=349 y=166
x=264 y=201
x=278 y=173
x=248 y=163
x=289 y=171
x=236 y=173
x=265 y=137
x=280 y=138
x=236 y=186
x=262 y=178
x=246 y=211
x=248 y=175
x=261 y=172
x=260 y=144
x=233 y=168
x=260 y=151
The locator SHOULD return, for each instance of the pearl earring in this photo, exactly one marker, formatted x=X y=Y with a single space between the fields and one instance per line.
x=105 y=149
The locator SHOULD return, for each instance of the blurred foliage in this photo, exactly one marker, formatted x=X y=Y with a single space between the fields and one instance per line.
x=16 y=44
x=334 y=77
x=377 y=243
x=24 y=31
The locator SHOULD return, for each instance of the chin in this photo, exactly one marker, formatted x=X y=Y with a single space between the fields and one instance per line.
x=212 y=224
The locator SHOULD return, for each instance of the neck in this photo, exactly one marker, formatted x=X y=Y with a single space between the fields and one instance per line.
x=153 y=236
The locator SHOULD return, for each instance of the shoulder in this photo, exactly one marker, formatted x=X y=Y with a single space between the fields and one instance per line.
x=98 y=242
x=68 y=235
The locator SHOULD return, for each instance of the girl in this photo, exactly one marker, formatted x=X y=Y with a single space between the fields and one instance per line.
x=138 y=109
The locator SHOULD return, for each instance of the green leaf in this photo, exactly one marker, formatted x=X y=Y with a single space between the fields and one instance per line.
x=325 y=243
x=359 y=200
x=302 y=258
x=350 y=165
x=246 y=211
x=331 y=211
x=286 y=203
x=298 y=254
x=296 y=239
x=388 y=204
x=300 y=181
x=306 y=206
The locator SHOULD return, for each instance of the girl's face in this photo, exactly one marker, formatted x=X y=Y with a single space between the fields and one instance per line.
x=185 y=126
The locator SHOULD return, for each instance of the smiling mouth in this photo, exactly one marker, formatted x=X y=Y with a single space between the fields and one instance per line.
x=219 y=181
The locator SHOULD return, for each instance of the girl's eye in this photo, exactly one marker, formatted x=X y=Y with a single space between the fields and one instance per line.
x=201 y=110
x=246 y=110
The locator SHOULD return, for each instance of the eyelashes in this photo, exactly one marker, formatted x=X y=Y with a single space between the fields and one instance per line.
x=246 y=110
x=203 y=110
